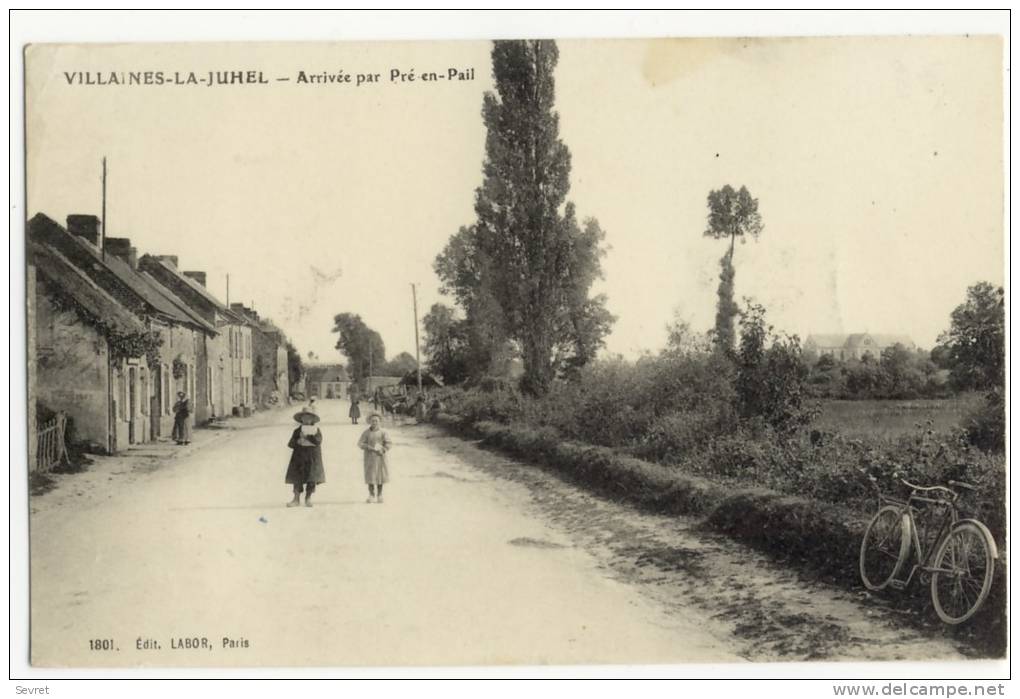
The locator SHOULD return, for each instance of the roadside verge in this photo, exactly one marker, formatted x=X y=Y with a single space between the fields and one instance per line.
x=820 y=539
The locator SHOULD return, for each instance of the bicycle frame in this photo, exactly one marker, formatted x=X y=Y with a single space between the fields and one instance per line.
x=946 y=523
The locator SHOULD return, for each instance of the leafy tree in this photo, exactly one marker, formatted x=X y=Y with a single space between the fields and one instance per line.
x=527 y=252
x=461 y=268
x=295 y=367
x=682 y=340
x=974 y=347
x=771 y=379
x=400 y=365
x=362 y=346
x=732 y=214
x=446 y=344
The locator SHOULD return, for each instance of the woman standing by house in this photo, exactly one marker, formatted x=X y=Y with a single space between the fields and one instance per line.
x=305 y=470
x=182 y=419
x=375 y=443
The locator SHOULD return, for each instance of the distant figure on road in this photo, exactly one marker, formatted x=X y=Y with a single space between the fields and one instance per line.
x=312 y=407
x=355 y=411
x=182 y=425
x=420 y=408
x=375 y=443
x=305 y=468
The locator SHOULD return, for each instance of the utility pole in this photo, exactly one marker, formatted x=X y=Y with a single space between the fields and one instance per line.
x=102 y=229
x=417 y=355
x=111 y=425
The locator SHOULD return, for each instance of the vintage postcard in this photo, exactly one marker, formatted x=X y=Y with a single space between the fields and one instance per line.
x=516 y=352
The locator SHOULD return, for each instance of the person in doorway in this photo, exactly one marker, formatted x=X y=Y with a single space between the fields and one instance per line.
x=305 y=471
x=182 y=419
x=375 y=443
x=355 y=411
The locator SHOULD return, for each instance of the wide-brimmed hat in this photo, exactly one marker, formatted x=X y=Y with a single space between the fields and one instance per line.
x=305 y=413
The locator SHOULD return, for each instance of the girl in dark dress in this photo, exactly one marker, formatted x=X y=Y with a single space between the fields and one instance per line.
x=305 y=469
x=355 y=411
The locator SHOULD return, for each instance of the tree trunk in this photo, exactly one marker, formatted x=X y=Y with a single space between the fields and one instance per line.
x=537 y=366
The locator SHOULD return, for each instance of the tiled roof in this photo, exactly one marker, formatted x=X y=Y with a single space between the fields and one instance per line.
x=179 y=303
x=111 y=273
x=68 y=279
x=325 y=372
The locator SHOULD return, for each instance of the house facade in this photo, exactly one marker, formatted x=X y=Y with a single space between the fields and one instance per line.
x=228 y=361
x=143 y=377
x=854 y=346
x=77 y=367
x=327 y=381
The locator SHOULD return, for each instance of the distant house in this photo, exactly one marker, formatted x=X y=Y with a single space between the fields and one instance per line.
x=327 y=381
x=854 y=346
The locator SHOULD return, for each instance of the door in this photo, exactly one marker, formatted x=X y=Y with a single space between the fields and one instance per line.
x=155 y=401
x=132 y=416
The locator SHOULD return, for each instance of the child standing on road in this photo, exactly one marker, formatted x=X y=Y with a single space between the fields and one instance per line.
x=305 y=468
x=375 y=443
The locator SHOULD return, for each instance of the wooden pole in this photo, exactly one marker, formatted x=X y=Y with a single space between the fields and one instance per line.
x=111 y=418
x=102 y=223
x=417 y=355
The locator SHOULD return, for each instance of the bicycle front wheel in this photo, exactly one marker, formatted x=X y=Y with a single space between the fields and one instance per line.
x=962 y=578
x=885 y=547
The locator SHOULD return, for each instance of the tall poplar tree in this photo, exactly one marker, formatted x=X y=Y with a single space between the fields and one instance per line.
x=732 y=214
x=533 y=257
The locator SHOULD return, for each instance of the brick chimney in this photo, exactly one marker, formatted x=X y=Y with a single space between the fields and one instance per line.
x=84 y=226
x=244 y=310
x=197 y=276
x=121 y=248
x=168 y=259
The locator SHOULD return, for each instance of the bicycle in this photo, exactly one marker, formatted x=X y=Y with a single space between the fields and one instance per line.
x=960 y=562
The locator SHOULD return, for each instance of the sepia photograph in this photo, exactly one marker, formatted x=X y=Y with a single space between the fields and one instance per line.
x=501 y=352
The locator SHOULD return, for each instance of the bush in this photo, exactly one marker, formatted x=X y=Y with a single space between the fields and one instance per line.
x=986 y=426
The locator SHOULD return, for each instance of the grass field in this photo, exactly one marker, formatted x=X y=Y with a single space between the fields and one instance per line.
x=889 y=419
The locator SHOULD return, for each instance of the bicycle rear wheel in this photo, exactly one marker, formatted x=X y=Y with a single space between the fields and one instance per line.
x=885 y=547
x=964 y=566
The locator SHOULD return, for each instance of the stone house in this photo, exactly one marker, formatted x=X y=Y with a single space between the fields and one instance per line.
x=77 y=367
x=327 y=381
x=853 y=346
x=269 y=375
x=143 y=392
x=227 y=362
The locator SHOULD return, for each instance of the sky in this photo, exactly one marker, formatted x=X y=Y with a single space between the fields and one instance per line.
x=877 y=163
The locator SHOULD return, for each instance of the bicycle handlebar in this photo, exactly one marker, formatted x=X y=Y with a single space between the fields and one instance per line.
x=913 y=486
x=954 y=484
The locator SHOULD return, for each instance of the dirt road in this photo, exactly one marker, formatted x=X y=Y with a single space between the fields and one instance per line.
x=472 y=559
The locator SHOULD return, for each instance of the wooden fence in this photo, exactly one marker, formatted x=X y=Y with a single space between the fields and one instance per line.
x=51 y=447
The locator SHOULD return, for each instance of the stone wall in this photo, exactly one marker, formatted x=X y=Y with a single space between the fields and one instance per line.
x=71 y=371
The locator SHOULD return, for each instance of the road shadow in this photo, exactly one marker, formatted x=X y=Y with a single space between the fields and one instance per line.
x=278 y=505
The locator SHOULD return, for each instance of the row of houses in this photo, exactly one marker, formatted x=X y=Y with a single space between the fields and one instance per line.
x=332 y=381
x=113 y=338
